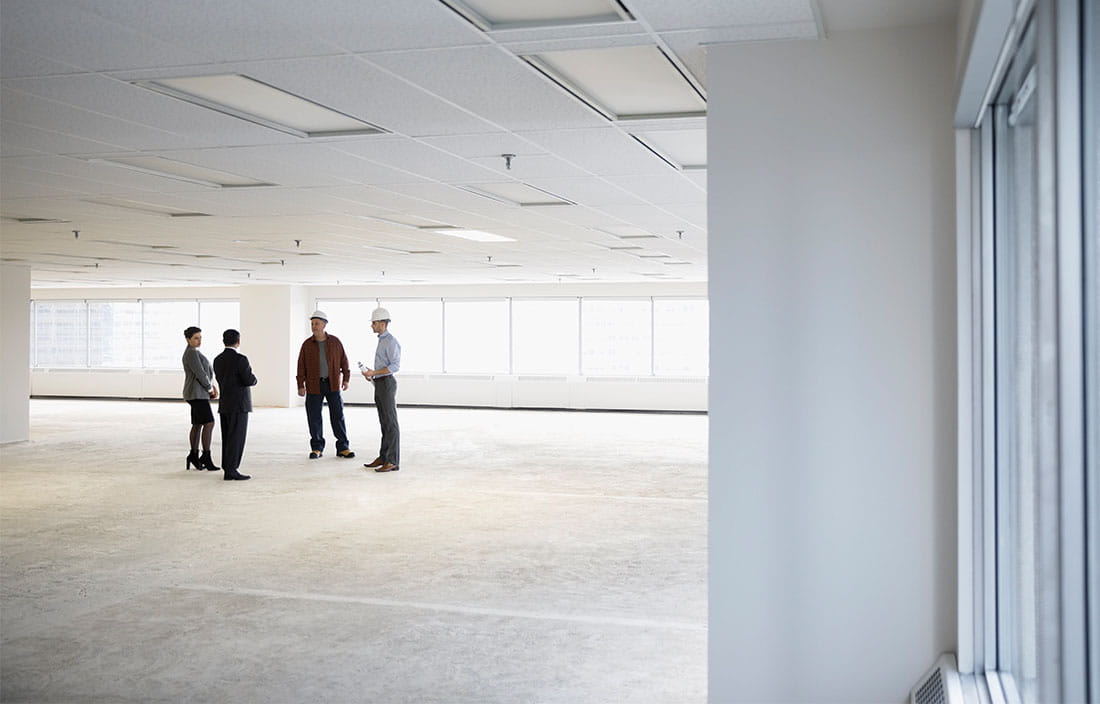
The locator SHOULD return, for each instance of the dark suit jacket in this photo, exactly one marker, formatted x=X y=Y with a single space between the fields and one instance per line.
x=235 y=377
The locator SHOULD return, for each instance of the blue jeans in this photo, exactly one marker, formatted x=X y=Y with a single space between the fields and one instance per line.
x=335 y=416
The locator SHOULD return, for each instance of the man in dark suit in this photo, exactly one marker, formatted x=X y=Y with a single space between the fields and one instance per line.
x=235 y=377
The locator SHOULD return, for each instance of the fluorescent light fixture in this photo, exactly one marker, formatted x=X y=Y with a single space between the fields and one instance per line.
x=684 y=149
x=143 y=206
x=623 y=83
x=628 y=232
x=405 y=221
x=475 y=235
x=491 y=15
x=653 y=256
x=516 y=193
x=180 y=171
x=248 y=99
x=37 y=221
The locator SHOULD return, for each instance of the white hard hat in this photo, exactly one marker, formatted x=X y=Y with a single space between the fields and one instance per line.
x=379 y=314
x=319 y=314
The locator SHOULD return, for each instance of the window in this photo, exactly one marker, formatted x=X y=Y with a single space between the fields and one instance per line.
x=476 y=337
x=616 y=337
x=215 y=317
x=114 y=334
x=1028 y=602
x=681 y=334
x=545 y=336
x=61 y=334
x=350 y=321
x=418 y=327
x=1025 y=379
x=165 y=322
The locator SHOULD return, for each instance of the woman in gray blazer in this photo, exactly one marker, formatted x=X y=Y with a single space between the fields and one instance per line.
x=198 y=390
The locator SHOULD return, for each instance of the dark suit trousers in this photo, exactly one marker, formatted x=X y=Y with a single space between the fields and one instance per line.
x=385 y=399
x=234 y=430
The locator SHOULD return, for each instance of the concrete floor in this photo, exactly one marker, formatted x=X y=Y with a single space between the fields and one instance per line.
x=518 y=556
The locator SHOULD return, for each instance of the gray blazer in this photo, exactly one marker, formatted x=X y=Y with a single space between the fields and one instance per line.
x=197 y=375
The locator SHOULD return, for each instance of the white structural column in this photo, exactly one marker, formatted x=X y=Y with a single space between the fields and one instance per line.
x=274 y=321
x=15 y=363
x=832 y=373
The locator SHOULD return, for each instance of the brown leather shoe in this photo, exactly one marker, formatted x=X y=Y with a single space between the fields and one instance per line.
x=376 y=462
x=388 y=467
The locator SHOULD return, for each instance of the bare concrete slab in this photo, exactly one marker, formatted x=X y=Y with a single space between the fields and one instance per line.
x=518 y=556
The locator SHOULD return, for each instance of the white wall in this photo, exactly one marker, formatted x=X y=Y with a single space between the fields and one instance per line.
x=832 y=387
x=15 y=359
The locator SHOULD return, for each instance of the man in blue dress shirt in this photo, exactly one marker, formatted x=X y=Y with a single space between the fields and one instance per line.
x=387 y=360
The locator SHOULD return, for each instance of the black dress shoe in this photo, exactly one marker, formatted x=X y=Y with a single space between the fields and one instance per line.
x=235 y=475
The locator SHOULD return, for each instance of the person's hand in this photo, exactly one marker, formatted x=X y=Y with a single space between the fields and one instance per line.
x=213 y=393
x=367 y=373
x=344 y=386
x=301 y=391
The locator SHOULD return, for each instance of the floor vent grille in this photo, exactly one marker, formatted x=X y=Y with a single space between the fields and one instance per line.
x=940 y=685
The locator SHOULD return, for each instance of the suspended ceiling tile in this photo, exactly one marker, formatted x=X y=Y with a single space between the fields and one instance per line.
x=29 y=137
x=506 y=91
x=603 y=150
x=670 y=187
x=213 y=28
x=70 y=33
x=530 y=166
x=416 y=158
x=31 y=110
x=16 y=62
x=379 y=25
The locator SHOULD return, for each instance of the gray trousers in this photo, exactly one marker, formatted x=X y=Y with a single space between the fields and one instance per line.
x=385 y=400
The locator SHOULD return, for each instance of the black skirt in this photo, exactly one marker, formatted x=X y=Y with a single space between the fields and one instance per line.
x=201 y=414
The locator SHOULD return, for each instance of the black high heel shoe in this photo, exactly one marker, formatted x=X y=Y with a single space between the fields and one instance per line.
x=193 y=459
x=207 y=462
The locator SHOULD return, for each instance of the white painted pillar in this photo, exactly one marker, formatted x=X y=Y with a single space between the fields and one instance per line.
x=15 y=357
x=832 y=373
x=274 y=321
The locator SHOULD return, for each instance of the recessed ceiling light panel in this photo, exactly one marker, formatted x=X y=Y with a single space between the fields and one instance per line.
x=255 y=101
x=516 y=193
x=623 y=83
x=685 y=149
x=492 y=15
x=180 y=171
x=475 y=235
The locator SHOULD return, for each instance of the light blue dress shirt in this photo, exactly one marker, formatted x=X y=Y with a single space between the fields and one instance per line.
x=388 y=353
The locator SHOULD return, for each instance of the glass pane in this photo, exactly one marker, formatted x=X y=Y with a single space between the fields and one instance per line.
x=418 y=327
x=476 y=337
x=31 y=337
x=61 y=334
x=681 y=330
x=350 y=322
x=215 y=317
x=1023 y=378
x=114 y=334
x=617 y=337
x=545 y=337
x=165 y=322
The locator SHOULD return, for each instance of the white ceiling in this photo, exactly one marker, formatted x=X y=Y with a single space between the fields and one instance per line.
x=453 y=100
